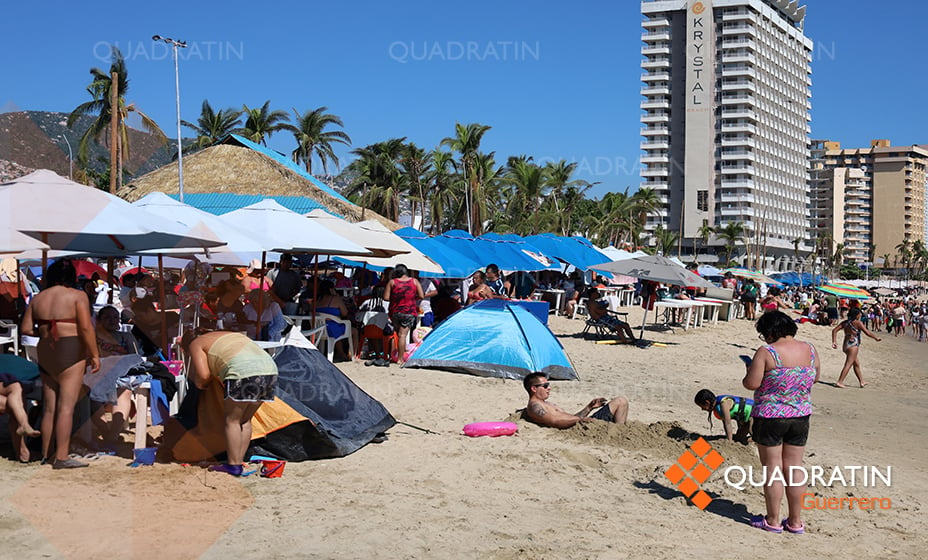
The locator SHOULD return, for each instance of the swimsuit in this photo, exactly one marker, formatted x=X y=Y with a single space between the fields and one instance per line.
x=853 y=339
x=57 y=354
x=782 y=403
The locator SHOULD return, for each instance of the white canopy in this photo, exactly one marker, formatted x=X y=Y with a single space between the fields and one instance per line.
x=72 y=217
x=12 y=243
x=290 y=231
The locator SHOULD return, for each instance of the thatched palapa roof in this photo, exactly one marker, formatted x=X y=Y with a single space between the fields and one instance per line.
x=237 y=166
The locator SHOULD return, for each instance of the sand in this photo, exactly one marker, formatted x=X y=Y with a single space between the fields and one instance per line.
x=594 y=491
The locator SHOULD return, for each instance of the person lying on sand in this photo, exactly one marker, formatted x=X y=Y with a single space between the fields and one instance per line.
x=548 y=414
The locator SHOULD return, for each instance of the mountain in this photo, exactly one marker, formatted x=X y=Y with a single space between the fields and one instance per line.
x=36 y=139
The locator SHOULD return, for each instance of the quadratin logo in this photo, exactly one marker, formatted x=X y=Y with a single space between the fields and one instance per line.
x=694 y=467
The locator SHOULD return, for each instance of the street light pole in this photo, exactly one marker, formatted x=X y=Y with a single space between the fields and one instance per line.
x=70 y=158
x=180 y=160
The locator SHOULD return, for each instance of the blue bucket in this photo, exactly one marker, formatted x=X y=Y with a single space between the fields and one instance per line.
x=145 y=455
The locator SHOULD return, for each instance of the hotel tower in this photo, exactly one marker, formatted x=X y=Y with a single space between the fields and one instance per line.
x=725 y=120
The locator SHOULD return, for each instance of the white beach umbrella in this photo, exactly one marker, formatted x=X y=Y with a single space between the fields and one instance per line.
x=290 y=231
x=242 y=246
x=13 y=243
x=68 y=216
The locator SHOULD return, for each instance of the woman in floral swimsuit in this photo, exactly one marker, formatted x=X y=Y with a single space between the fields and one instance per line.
x=781 y=375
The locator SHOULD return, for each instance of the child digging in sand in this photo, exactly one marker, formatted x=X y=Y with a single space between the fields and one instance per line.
x=728 y=408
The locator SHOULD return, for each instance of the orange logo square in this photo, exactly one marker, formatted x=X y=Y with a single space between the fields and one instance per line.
x=699 y=462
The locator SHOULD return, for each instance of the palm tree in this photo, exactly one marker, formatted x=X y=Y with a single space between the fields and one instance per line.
x=905 y=254
x=665 y=240
x=313 y=140
x=837 y=259
x=443 y=197
x=212 y=127
x=261 y=123
x=528 y=182
x=702 y=234
x=466 y=142
x=731 y=233
x=646 y=201
x=101 y=105
x=415 y=165
x=379 y=184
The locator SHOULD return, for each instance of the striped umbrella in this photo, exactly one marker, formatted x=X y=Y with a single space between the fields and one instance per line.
x=756 y=276
x=844 y=290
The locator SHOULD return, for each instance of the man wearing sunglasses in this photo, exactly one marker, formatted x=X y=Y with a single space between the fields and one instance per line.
x=545 y=413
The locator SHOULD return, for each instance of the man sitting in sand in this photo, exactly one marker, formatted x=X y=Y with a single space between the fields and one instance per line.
x=599 y=311
x=545 y=413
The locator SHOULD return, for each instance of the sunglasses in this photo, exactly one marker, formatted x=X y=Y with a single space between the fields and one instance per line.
x=545 y=385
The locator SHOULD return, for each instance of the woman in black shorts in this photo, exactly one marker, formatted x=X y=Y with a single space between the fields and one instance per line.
x=781 y=375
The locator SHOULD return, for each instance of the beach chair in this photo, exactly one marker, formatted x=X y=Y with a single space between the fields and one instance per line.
x=10 y=336
x=373 y=332
x=601 y=329
x=580 y=308
x=321 y=320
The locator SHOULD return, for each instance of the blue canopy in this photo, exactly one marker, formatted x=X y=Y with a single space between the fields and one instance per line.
x=523 y=246
x=576 y=251
x=494 y=338
x=486 y=251
x=455 y=264
x=796 y=279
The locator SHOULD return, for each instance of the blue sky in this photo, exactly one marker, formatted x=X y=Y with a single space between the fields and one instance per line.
x=554 y=80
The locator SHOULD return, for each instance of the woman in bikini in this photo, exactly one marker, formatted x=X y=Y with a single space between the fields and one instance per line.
x=67 y=345
x=853 y=328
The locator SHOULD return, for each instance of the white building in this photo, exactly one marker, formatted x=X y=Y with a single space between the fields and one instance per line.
x=726 y=117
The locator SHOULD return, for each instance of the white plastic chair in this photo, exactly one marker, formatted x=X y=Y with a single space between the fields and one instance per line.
x=321 y=319
x=29 y=344
x=11 y=336
x=580 y=308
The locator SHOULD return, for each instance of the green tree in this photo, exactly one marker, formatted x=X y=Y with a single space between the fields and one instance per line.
x=213 y=126
x=731 y=233
x=442 y=197
x=313 y=140
x=379 y=183
x=466 y=142
x=101 y=108
x=528 y=183
x=665 y=240
x=702 y=234
x=261 y=123
x=415 y=165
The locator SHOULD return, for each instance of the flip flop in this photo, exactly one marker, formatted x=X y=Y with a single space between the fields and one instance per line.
x=69 y=464
x=794 y=530
x=760 y=522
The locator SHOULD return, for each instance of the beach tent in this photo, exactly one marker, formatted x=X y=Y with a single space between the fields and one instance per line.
x=317 y=413
x=494 y=338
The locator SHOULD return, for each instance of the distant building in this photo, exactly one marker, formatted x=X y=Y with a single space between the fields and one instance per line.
x=726 y=117
x=874 y=196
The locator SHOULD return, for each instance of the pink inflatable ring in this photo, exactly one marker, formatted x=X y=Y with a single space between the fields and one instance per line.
x=492 y=429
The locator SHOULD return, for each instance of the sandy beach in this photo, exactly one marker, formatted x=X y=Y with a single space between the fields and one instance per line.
x=594 y=491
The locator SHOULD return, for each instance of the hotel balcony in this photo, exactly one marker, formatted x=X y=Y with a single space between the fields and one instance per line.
x=737 y=197
x=655 y=77
x=738 y=127
x=655 y=104
x=740 y=43
x=658 y=22
x=739 y=16
x=659 y=35
x=736 y=28
x=737 y=183
x=737 y=99
x=657 y=185
x=655 y=172
x=656 y=49
x=739 y=114
x=736 y=85
x=656 y=118
x=654 y=145
x=656 y=158
x=737 y=169
x=656 y=89
x=741 y=142
x=656 y=62
x=728 y=155
x=744 y=211
x=737 y=57
x=655 y=131
x=741 y=70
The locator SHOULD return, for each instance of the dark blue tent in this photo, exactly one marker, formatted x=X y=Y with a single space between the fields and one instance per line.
x=494 y=338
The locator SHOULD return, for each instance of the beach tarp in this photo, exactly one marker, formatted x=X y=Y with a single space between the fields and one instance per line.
x=485 y=251
x=454 y=263
x=317 y=413
x=797 y=279
x=494 y=338
x=576 y=251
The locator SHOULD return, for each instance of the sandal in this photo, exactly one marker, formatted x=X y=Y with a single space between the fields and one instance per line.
x=68 y=464
x=760 y=522
x=794 y=530
x=234 y=470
